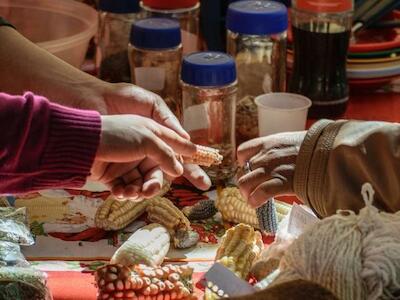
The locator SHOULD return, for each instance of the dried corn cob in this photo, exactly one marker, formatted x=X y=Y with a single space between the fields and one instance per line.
x=234 y=208
x=114 y=214
x=205 y=156
x=240 y=246
x=201 y=210
x=148 y=246
x=266 y=215
x=163 y=211
x=168 y=282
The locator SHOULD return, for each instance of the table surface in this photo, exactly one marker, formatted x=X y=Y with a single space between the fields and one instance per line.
x=366 y=106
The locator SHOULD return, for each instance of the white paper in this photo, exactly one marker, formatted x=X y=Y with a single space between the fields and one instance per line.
x=150 y=78
x=300 y=217
x=196 y=117
x=227 y=281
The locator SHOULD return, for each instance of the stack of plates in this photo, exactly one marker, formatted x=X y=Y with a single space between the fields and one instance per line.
x=374 y=57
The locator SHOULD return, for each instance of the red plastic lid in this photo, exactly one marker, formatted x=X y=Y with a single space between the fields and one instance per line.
x=324 y=6
x=170 y=4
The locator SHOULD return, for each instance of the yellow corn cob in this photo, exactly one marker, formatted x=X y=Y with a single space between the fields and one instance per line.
x=234 y=208
x=43 y=209
x=148 y=246
x=114 y=214
x=205 y=156
x=163 y=211
x=240 y=246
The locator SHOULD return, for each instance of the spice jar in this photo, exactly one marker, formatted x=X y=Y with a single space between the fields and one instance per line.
x=186 y=12
x=256 y=38
x=209 y=89
x=116 y=19
x=155 y=54
x=321 y=36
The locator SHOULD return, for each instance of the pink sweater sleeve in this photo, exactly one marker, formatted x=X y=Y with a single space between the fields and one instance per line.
x=44 y=145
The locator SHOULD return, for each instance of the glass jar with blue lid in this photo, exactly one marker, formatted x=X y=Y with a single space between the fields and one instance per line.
x=209 y=89
x=256 y=38
x=116 y=19
x=155 y=54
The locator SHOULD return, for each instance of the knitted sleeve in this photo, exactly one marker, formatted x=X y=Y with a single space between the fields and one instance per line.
x=44 y=145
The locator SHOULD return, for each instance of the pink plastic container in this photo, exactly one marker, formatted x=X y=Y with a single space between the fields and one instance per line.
x=62 y=27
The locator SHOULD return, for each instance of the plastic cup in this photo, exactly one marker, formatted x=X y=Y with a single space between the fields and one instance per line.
x=281 y=112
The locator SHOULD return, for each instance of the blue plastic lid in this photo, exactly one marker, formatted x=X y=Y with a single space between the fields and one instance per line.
x=257 y=17
x=208 y=69
x=156 y=33
x=120 y=6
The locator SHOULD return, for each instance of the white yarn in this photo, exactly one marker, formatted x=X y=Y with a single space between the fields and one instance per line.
x=353 y=256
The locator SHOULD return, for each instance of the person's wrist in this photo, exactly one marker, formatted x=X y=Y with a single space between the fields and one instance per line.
x=91 y=95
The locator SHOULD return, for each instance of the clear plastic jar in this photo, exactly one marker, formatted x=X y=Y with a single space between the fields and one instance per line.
x=321 y=36
x=155 y=54
x=209 y=90
x=187 y=12
x=256 y=38
x=116 y=19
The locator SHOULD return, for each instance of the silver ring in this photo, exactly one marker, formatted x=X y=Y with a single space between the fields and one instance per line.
x=247 y=167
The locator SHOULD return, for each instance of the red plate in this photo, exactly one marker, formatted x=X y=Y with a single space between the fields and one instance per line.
x=370 y=40
x=370 y=84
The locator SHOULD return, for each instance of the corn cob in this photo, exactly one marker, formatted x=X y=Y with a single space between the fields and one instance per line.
x=43 y=209
x=266 y=215
x=168 y=282
x=201 y=210
x=114 y=214
x=148 y=245
x=205 y=156
x=240 y=246
x=234 y=208
x=163 y=211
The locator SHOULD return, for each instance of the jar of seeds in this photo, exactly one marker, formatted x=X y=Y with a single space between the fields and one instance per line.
x=209 y=89
x=256 y=38
x=186 y=12
x=155 y=54
x=116 y=19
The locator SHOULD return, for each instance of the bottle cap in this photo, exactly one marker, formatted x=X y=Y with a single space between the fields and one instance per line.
x=257 y=17
x=119 y=6
x=208 y=69
x=170 y=4
x=156 y=33
x=324 y=6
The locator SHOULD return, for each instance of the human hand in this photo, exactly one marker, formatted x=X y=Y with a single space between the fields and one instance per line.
x=127 y=140
x=125 y=98
x=273 y=161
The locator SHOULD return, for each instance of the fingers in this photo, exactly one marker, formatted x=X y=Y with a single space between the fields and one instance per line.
x=163 y=115
x=197 y=176
x=250 y=181
x=163 y=155
x=177 y=143
x=267 y=190
x=153 y=181
x=249 y=149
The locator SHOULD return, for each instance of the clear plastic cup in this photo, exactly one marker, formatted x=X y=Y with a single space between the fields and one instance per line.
x=281 y=112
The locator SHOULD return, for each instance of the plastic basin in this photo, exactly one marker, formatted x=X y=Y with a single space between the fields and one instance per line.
x=62 y=27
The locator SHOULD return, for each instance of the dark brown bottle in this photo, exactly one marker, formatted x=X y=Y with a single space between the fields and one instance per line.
x=321 y=36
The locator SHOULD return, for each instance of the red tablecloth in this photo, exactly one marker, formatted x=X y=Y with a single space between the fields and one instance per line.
x=382 y=107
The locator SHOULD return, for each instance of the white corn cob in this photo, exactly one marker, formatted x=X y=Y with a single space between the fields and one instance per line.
x=240 y=246
x=234 y=208
x=114 y=214
x=163 y=211
x=43 y=209
x=147 y=246
x=205 y=156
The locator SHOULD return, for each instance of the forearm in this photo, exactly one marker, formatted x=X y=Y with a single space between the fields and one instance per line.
x=26 y=67
x=336 y=159
x=44 y=145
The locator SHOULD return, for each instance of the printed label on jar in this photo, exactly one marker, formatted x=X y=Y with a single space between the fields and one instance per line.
x=189 y=42
x=196 y=117
x=152 y=79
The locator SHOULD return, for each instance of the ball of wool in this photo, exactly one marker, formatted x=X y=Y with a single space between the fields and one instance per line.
x=355 y=256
